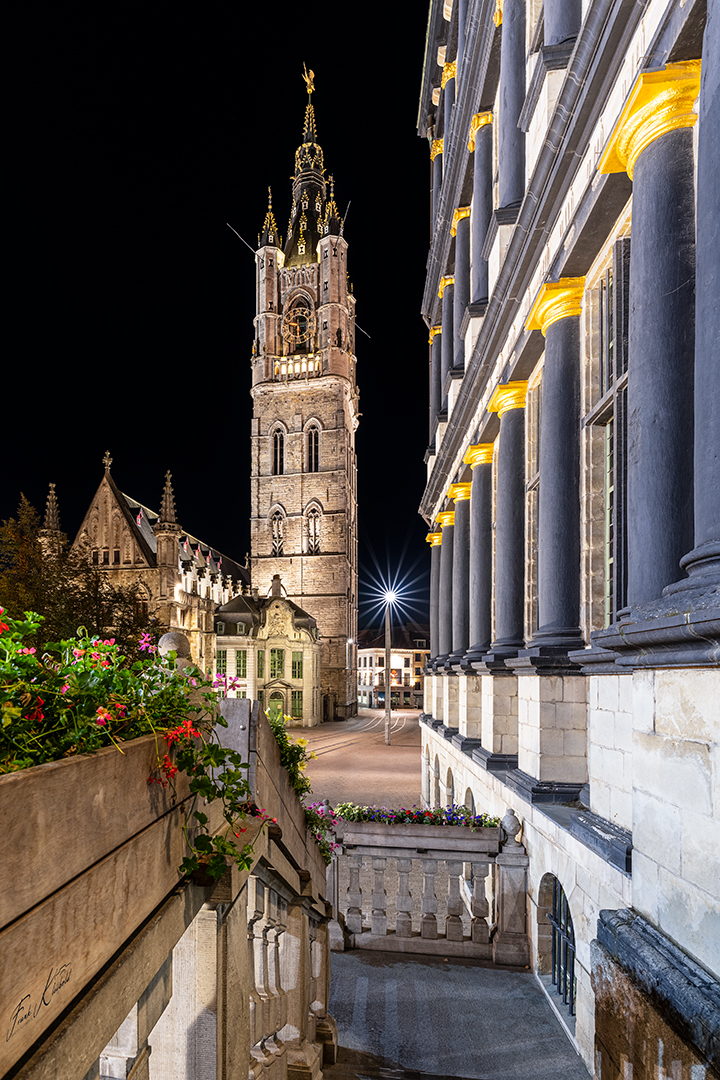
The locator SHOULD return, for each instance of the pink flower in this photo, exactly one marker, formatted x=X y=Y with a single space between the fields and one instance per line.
x=77 y=653
x=109 y=641
x=103 y=716
x=144 y=643
x=64 y=689
x=27 y=652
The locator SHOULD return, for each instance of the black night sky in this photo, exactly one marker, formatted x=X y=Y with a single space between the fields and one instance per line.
x=131 y=302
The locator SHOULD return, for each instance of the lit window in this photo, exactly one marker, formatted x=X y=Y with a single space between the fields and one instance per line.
x=278 y=453
x=313 y=449
x=276 y=524
x=313 y=527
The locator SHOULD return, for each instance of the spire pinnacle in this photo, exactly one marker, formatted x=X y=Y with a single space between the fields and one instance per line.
x=269 y=235
x=167 y=507
x=52 y=512
x=309 y=77
x=333 y=222
x=107 y=461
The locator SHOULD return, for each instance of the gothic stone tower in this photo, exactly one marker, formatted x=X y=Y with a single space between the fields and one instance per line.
x=303 y=490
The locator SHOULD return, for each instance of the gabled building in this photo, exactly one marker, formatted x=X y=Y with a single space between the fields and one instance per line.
x=182 y=578
x=408 y=659
x=573 y=493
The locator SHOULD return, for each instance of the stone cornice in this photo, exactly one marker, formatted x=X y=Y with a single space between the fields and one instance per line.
x=508 y=396
x=459 y=492
x=556 y=300
x=596 y=61
x=480 y=454
x=660 y=101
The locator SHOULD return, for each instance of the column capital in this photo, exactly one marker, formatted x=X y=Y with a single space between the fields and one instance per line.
x=508 y=396
x=448 y=279
x=434 y=331
x=436 y=147
x=556 y=300
x=434 y=539
x=480 y=454
x=459 y=492
x=479 y=120
x=460 y=213
x=449 y=72
x=659 y=102
x=498 y=13
x=446 y=517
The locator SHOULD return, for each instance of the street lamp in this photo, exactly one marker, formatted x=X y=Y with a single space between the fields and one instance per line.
x=390 y=598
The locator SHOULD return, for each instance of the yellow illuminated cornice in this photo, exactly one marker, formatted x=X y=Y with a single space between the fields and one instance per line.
x=659 y=102
x=436 y=147
x=449 y=72
x=480 y=454
x=556 y=300
x=479 y=120
x=434 y=539
x=507 y=396
x=460 y=213
x=434 y=331
x=448 y=279
x=447 y=517
x=497 y=17
x=459 y=492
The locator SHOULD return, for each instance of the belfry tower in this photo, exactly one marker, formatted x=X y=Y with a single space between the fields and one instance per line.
x=303 y=480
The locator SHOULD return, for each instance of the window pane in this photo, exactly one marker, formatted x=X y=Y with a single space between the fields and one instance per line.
x=241 y=663
x=277 y=663
x=297 y=665
x=296 y=706
x=221 y=661
x=261 y=664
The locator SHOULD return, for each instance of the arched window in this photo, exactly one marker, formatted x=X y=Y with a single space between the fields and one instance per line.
x=276 y=525
x=278 y=453
x=449 y=789
x=313 y=449
x=556 y=941
x=313 y=528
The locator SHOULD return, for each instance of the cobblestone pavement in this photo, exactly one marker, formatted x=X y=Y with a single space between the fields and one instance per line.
x=459 y=1019
x=354 y=765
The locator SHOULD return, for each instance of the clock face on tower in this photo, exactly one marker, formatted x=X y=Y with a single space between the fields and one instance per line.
x=298 y=326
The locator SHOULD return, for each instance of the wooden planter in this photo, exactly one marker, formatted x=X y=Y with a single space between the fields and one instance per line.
x=88 y=850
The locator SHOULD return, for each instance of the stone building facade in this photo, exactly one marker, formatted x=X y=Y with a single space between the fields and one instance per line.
x=305 y=413
x=573 y=493
x=182 y=578
x=408 y=659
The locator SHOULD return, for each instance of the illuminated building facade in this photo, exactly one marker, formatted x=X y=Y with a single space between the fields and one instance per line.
x=573 y=493
x=408 y=659
x=305 y=413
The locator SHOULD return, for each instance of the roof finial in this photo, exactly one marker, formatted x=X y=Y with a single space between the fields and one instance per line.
x=167 y=507
x=309 y=77
x=107 y=461
x=52 y=512
x=269 y=234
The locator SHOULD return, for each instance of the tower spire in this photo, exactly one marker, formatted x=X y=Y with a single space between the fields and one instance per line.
x=269 y=237
x=167 y=507
x=308 y=206
x=52 y=512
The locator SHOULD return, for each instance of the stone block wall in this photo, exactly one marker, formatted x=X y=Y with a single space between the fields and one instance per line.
x=500 y=714
x=552 y=727
x=610 y=727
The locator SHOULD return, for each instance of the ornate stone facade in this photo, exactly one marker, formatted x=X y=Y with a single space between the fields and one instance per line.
x=305 y=397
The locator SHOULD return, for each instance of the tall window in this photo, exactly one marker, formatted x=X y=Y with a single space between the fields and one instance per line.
x=313 y=449
x=563 y=948
x=297 y=665
x=313 y=528
x=241 y=663
x=610 y=413
x=278 y=453
x=277 y=663
x=261 y=664
x=221 y=661
x=276 y=525
x=296 y=705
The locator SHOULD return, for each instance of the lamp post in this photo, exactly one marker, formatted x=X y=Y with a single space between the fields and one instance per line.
x=389 y=598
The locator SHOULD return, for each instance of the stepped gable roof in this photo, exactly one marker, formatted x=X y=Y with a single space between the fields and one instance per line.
x=247 y=609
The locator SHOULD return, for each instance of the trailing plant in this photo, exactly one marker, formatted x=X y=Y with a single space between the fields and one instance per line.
x=322 y=822
x=82 y=694
x=293 y=754
x=416 y=815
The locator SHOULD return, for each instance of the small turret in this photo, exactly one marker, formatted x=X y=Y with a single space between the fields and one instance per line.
x=333 y=221
x=269 y=237
x=167 y=506
x=51 y=538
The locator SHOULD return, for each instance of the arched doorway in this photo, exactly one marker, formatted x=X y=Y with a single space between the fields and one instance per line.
x=556 y=941
x=276 y=705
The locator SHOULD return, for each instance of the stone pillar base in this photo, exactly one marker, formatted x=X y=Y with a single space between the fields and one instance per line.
x=327 y=1036
x=511 y=949
x=304 y=1062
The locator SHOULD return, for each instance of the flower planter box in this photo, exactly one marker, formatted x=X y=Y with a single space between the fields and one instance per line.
x=89 y=849
x=425 y=841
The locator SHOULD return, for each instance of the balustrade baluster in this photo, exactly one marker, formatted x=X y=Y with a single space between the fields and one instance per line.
x=353 y=919
x=453 y=922
x=480 y=929
x=428 y=922
x=403 y=925
x=256 y=896
x=378 y=921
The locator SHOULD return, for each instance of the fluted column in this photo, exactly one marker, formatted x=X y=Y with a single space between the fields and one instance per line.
x=460 y=493
x=434 y=539
x=447 y=84
x=653 y=142
x=435 y=378
x=508 y=401
x=447 y=520
x=480 y=145
x=461 y=292
x=446 y=294
x=557 y=313
x=480 y=593
x=436 y=157
x=511 y=140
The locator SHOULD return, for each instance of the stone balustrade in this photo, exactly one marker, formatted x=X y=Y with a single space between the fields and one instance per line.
x=435 y=890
